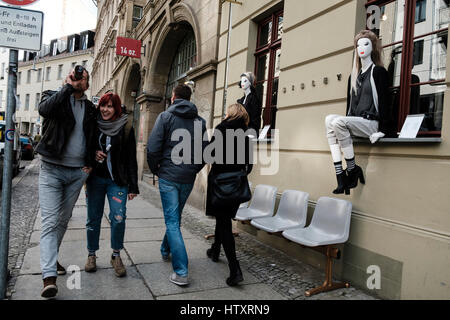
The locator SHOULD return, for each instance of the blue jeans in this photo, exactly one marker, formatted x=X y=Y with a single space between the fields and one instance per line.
x=59 y=189
x=97 y=189
x=173 y=197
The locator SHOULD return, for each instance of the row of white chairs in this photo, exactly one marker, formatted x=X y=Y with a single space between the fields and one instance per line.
x=330 y=224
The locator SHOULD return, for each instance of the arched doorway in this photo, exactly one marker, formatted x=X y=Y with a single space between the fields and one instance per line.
x=184 y=60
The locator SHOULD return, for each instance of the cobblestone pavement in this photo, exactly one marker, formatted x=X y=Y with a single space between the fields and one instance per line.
x=287 y=276
x=24 y=208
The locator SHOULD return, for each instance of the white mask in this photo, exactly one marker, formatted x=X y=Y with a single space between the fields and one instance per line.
x=245 y=83
x=364 y=48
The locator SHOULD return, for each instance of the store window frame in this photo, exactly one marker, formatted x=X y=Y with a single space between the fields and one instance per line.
x=273 y=45
x=405 y=86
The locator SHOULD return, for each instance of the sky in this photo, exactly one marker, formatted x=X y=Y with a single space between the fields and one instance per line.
x=64 y=17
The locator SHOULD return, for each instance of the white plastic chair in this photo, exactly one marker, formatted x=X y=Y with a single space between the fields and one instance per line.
x=262 y=204
x=330 y=225
x=291 y=213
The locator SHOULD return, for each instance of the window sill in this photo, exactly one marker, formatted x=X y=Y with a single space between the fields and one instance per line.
x=398 y=140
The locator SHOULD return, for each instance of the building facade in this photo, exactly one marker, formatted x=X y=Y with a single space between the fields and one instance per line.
x=47 y=70
x=302 y=54
x=177 y=47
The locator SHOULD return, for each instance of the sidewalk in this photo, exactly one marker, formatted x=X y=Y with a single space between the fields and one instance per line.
x=268 y=273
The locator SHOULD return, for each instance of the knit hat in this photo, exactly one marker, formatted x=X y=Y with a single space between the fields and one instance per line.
x=250 y=76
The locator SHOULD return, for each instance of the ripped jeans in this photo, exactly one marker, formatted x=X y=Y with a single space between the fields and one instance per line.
x=97 y=189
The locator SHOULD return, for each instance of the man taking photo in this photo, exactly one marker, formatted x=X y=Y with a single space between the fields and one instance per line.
x=67 y=150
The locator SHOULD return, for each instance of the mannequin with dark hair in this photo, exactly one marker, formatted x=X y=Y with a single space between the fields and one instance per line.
x=367 y=110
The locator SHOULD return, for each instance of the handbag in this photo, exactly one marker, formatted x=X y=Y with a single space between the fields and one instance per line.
x=229 y=188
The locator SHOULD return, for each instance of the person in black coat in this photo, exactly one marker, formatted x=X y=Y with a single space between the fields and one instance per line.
x=236 y=119
x=114 y=176
x=250 y=101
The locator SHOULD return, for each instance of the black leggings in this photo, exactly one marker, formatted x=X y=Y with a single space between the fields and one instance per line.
x=224 y=236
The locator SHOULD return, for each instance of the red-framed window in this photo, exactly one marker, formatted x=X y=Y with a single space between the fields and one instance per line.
x=267 y=69
x=414 y=35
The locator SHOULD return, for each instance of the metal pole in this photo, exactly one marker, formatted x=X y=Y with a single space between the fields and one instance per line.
x=7 y=170
x=227 y=63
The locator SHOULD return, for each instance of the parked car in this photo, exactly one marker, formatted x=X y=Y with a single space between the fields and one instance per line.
x=17 y=154
x=27 y=148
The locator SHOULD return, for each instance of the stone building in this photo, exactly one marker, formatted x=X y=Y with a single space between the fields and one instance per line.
x=177 y=47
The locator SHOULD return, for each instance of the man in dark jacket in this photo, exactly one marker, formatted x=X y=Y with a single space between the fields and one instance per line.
x=177 y=168
x=67 y=157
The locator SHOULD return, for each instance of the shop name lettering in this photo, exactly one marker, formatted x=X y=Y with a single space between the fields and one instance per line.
x=125 y=50
x=235 y=309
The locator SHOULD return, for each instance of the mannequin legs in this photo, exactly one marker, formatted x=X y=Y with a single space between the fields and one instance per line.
x=339 y=133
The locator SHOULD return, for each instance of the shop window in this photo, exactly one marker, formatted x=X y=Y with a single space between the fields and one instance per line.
x=415 y=58
x=268 y=55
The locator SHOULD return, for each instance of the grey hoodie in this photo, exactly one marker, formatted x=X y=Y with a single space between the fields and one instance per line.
x=182 y=114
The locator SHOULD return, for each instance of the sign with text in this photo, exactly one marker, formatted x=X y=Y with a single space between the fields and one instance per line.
x=128 y=47
x=21 y=29
x=20 y=2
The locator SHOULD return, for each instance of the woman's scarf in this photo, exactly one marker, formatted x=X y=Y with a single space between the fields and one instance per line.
x=112 y=128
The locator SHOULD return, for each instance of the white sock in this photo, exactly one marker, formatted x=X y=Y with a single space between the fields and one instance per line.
x=336 y=153
x=349 y=153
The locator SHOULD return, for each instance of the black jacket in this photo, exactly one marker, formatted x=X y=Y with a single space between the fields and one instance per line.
x=254 y=109
x=123 y=159
x=181 y=115
x=230 y=211
x=381 y=78
x=59 y=122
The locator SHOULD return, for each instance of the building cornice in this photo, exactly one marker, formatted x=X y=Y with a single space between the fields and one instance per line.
x=58 y=57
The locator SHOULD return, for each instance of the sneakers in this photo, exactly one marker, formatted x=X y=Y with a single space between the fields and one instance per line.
x=91 y=264
x=60 y=269
x=119 y=268
x=50 y=289
x=178 y=280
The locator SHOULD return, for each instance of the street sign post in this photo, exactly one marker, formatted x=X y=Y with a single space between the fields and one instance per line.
x=20 y=2
x=128 y=47
x=19 y=29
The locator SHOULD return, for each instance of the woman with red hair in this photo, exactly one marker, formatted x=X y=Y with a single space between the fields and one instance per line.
x=115 y=176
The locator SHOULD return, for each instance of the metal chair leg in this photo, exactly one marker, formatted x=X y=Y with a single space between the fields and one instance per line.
x=328 y=285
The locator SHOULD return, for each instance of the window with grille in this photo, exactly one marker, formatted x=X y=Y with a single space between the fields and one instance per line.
x=185 y=59
x=268 y=55
x=415 y=56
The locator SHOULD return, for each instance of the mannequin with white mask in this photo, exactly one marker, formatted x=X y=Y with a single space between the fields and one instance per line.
x=250 y=100
x=367 y=111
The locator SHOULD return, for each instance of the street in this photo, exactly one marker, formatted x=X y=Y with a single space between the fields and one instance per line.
x=269 y=274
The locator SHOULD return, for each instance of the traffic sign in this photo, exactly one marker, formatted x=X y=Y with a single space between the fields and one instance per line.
x=128 y=47
x=20 y=2
x=20 y=28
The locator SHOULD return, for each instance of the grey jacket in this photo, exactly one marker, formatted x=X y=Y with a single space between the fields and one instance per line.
x=187 y=159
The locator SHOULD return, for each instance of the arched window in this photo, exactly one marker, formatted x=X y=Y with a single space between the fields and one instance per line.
x=184 y=60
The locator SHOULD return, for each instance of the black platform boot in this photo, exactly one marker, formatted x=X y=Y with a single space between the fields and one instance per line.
x=353 y=176
x=342 y=184
x=235 y=274
x=213 y=253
